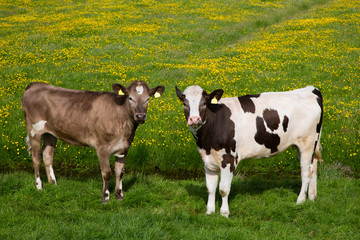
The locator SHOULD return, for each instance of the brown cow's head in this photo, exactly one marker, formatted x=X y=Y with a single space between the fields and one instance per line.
x=196 y=101
x=137 y=96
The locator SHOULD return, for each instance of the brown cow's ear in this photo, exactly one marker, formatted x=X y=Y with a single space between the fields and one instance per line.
x=180 y=95
x=121 y=93
x=215 y=96
x=120 y=90
x=157 y=91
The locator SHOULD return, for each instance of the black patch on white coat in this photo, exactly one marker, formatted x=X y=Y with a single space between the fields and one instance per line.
x=229 y=159
x=271 y=118
x=269 y=140
x=218 y=132
x=285 y=123
x=247 y=104
x=320 y=102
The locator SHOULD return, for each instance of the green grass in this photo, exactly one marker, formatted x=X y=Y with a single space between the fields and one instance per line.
x=241 y=46
x=160 y=208
x=244 y=47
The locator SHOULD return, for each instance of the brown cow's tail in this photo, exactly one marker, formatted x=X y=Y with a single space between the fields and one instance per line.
x=27 y=140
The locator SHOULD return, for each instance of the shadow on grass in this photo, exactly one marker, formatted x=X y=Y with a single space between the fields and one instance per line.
x=253 y=186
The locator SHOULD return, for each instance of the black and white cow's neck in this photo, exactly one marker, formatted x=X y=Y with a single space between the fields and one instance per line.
x=218 y=130
x=218 y=134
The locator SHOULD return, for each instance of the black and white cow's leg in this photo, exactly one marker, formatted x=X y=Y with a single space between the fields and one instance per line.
x=48 y=156
x=35 y=145
x=104 y=159
x=224 y=188
x=211 y=184
x=306 y=154
x=119 y=172
x=313 y=180
x=312 y=193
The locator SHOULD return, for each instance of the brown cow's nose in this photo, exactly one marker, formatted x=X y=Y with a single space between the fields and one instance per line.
x=194 y=120
x=140 y=117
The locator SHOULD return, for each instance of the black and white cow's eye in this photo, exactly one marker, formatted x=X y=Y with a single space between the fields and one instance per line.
x=131 y=99
x=147 y=100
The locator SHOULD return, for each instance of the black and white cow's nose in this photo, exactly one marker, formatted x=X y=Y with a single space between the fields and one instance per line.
x=140 y=117
x=194 y=121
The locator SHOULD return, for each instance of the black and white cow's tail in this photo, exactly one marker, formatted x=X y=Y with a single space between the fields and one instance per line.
x=312 y=191
x=317 y=147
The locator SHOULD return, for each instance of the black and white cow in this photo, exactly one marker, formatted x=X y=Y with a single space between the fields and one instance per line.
x=228 y=130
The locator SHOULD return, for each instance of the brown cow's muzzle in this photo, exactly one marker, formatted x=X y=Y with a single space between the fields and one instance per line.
x=140 y=117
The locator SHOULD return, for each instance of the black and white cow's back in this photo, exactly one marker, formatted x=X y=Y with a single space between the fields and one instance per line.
x=268 y=123
x=228 y=130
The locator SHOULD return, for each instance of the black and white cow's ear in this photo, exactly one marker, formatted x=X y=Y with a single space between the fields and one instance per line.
x=120 y=90
x=157 y=91
x=215 y=96
x=180 y=95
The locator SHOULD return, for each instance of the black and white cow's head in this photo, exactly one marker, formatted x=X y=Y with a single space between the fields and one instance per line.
x=196 y=101
x=137 y=96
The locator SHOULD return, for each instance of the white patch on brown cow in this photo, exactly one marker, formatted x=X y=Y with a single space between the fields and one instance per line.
x=38 y=183
x=52 y=174
x=107 y=198
x=139 y=89
x=37 y=127
x=119 y=148
x=119 y=155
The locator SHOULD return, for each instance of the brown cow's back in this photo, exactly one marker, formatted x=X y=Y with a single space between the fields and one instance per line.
x=76 y=117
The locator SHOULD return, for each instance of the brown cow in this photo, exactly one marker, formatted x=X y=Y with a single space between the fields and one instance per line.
x=104 y=120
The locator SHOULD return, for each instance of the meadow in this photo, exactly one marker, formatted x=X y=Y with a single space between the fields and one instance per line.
x=243 y=47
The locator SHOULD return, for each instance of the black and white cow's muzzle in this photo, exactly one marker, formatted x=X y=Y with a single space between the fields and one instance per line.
x=195 y=123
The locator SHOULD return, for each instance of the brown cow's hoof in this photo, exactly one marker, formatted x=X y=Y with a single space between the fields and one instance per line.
x=119 y=195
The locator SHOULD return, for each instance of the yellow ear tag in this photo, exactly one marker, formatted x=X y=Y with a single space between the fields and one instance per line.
x=121 y=92
x=156 y=95
x=214 y=101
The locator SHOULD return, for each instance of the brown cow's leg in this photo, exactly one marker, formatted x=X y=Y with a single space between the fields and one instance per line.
x=48 y=156
x=119 y=171
x=104 y=159
x=35 y=143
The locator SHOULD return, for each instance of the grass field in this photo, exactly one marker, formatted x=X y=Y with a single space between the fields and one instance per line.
x=243 y=47
x=159 y=208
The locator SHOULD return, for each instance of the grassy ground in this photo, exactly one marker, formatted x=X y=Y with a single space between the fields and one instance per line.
x=160 y=208
x=244 y=47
